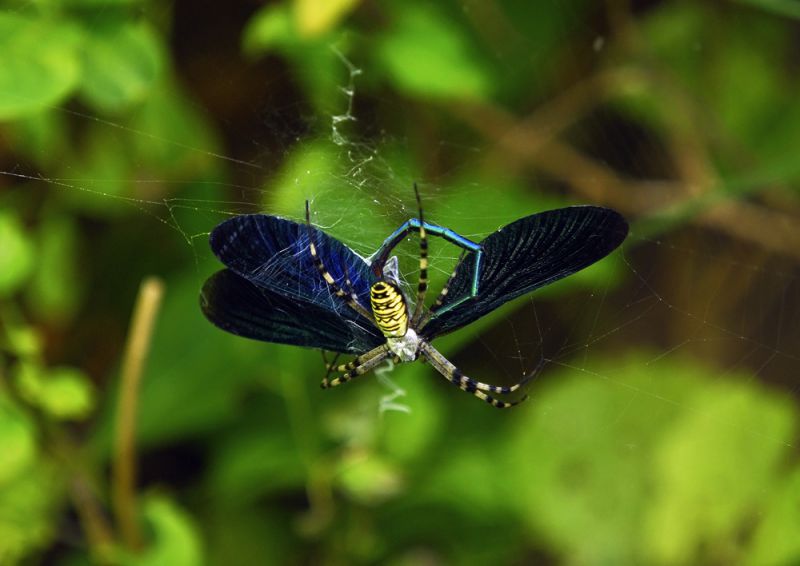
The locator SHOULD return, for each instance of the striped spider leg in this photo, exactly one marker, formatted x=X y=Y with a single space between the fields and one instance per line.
x=361 y=364
x=422 y=284
x=442 y=294
x=357 y=366
x=351 y=299
x=329 y=366
x=455 y=376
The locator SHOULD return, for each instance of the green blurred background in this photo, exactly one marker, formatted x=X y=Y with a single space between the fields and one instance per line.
x=663 y=422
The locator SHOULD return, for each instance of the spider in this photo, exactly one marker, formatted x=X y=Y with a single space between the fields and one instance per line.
x=291 y=283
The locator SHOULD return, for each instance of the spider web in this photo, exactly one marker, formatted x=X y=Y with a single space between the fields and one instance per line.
x=700 y=305
x=701 y=290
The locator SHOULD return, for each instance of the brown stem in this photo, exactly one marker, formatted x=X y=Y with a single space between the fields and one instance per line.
x=124 y=465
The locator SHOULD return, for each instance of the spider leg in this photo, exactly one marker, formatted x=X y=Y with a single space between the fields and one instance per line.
x=381 y=255
x=473 y=292
x=422 y=286
x=442 y=294
x=359 y=366
x=351 y=299
x=342 y=367
x=329 y=366
x=476 y=388
x=458 y=377
x=347 y=283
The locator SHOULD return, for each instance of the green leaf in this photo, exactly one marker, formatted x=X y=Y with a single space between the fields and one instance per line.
x=27 y=522
x=100 y=181
x=43 y=137
x=711 y=56
x=775 y=540
x=174 y=540
x=17 y=254
x=54 y=290
x=17 y=440
x=270 y=27
x=751 y=109
x=531 y=45
x=40 y=64
x=23 y=340
x=252 y=461
x=697 y=456
x=676 y=33
x=575 y=441
x=409 y=437
x=427 y=54
x=789 y=8
x=167 y=139
x=682 y=24
x=734 y=443
x=314 y=172
x=99 y=4
x=368 y=478
x=173 y=136
x=467 y=479
x=323 y=73
x=255 y=534
x=318 y=17
x=121 y=63
x=63 y=393
x=308 y=172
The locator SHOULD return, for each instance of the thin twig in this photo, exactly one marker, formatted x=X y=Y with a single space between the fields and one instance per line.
x=98 y=532
x=124 y=468
x=595 y=180
x=85 y=495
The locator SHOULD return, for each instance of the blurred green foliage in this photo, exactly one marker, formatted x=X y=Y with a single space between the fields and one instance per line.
x=129 y=128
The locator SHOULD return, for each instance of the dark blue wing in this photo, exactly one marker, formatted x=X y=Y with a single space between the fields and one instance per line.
x=273 y=253
x=527 y=254
x=234 y=304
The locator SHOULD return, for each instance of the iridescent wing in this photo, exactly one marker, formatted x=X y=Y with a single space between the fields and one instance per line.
x=525 y=255
x=273 y=252
x=236 y=305
x=289 y=295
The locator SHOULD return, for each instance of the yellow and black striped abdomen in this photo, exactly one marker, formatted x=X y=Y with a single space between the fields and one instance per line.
x=389 y=309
